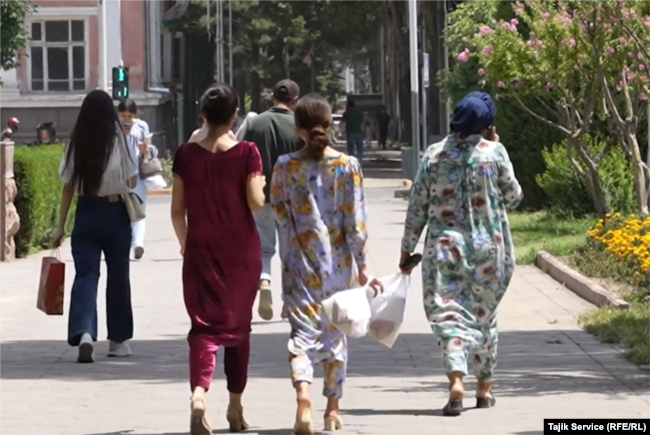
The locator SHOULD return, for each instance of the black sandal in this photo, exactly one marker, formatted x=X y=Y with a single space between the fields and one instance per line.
x=485 y=402
x=453 y=408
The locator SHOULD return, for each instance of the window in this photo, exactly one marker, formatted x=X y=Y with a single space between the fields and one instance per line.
x=58 y=55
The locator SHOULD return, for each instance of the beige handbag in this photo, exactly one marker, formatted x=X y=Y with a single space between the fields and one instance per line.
x=150 y=168
x=132 y=202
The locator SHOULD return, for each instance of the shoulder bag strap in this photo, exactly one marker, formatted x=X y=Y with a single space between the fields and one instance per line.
x=122 y=148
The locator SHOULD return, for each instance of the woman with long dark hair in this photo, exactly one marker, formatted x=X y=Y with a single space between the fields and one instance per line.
x=218 y=183
x=318 y=200
x=98 y=167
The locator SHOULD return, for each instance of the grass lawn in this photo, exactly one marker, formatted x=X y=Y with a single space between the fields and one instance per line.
x=629 y=326
x=540 y=231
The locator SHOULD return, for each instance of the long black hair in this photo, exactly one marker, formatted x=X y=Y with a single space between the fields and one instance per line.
x=92 y=141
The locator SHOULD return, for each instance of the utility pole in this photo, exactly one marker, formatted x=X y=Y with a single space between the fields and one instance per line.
x=230 y=44
x=425 y=87
x=103 y=47
x=415 y=84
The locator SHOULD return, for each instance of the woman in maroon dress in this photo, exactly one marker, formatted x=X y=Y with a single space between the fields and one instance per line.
x=218 y=183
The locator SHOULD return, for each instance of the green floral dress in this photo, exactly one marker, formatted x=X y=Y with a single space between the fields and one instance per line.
x=461 y=194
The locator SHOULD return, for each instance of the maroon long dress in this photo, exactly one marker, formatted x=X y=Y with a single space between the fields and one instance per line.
x=222 y=260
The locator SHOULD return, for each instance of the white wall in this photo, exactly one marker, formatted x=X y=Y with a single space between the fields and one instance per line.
x=10 y=80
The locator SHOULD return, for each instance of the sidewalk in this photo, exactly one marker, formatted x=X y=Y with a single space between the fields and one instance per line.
x=548 y=367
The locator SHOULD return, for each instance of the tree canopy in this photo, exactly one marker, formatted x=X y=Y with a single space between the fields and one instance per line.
x=568 y=64
x=335 y=33
x=13 y=33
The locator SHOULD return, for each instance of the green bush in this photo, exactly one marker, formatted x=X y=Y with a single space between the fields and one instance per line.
x=567 y=190
x=36 y=170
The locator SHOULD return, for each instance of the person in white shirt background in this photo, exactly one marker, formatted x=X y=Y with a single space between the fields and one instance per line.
x=136 y=130
x=98 y=167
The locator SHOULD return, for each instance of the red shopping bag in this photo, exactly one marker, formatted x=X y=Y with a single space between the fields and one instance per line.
x=51 y=288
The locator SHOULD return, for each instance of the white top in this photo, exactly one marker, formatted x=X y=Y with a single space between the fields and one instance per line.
x=113 y=182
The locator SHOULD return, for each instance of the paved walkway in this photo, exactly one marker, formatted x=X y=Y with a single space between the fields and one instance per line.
x=548 y=367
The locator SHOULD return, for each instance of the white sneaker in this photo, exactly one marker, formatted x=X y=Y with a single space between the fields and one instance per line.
x=86 y=349
x=118 y=349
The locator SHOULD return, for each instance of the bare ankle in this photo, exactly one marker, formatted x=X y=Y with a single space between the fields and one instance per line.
x=332 y=407
x=456 y=387
x=198 y=393
x=235 y=399
x=483 y=388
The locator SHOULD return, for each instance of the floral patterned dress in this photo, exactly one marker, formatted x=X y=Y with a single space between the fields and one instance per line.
x=320 y=208
x=461 y=194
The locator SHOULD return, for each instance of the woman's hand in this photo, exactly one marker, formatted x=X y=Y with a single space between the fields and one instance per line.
x=144 y=149
x=182 y=250
x=402 y=258
x=57 y=237
x=492 y=134
x=374 y=284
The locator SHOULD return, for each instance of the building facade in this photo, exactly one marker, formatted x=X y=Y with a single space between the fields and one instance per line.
x=62 y=64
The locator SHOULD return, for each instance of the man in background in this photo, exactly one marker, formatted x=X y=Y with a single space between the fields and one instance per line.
x=274 y=133
x=383 y=121
x=353 y=120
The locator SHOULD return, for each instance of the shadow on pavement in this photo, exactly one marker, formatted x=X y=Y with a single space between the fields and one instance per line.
x=408 y=412
x=251 y=431
x=531 y=363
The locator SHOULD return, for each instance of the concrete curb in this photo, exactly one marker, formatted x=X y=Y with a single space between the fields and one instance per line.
x=579 y=284
x=404 y=191
x=159 y=192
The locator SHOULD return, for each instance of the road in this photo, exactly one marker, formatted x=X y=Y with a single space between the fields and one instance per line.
x=548 y=367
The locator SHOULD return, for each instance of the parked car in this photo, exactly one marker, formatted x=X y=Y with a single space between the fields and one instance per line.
x=338 y=130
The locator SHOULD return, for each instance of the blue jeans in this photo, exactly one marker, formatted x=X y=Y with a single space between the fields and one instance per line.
x=101 y=225
x=355 y=143
x=267 y=229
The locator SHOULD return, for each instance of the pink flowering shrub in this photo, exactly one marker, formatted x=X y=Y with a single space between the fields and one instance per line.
x=558 y=62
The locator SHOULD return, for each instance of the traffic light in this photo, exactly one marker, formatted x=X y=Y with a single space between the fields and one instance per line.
x=120 y=83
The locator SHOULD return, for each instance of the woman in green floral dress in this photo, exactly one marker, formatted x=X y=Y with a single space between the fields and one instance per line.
x=461 y=193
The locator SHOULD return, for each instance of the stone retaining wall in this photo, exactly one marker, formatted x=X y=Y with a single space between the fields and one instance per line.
x=9 y=219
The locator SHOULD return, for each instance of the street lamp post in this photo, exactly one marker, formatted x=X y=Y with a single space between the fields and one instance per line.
x=415 y=85
x=230 y=44
x=103 y=47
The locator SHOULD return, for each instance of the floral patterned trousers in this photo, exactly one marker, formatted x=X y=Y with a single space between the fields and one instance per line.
x=479 y=345
x=309 y=346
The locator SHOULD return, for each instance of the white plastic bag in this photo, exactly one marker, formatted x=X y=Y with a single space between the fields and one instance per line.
x=387 y=309
x=349 y=311
x=154 y=183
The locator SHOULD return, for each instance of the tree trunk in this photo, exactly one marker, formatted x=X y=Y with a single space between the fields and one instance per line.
x=255 y=81
x=595 y=188
x=375 y=73
x=589 y=172
x=239 y=82
x=640 y=182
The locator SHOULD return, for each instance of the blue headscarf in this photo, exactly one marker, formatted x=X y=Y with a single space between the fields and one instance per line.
x=492 y=109
x=469 y=117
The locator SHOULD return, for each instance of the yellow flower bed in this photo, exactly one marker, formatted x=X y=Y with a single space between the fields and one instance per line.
x=627 y=238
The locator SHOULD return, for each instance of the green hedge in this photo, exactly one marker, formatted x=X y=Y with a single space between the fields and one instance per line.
x=39 y=196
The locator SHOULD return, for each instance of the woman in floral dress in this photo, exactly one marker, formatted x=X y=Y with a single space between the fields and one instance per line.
x=461 y=193
x=318 y=200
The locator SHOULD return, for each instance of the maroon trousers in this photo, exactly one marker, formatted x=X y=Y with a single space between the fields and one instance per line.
x=203 y=359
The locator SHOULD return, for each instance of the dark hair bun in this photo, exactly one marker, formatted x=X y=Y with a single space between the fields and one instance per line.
x=318 y=137
x=219 y=104
x=313 y=114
